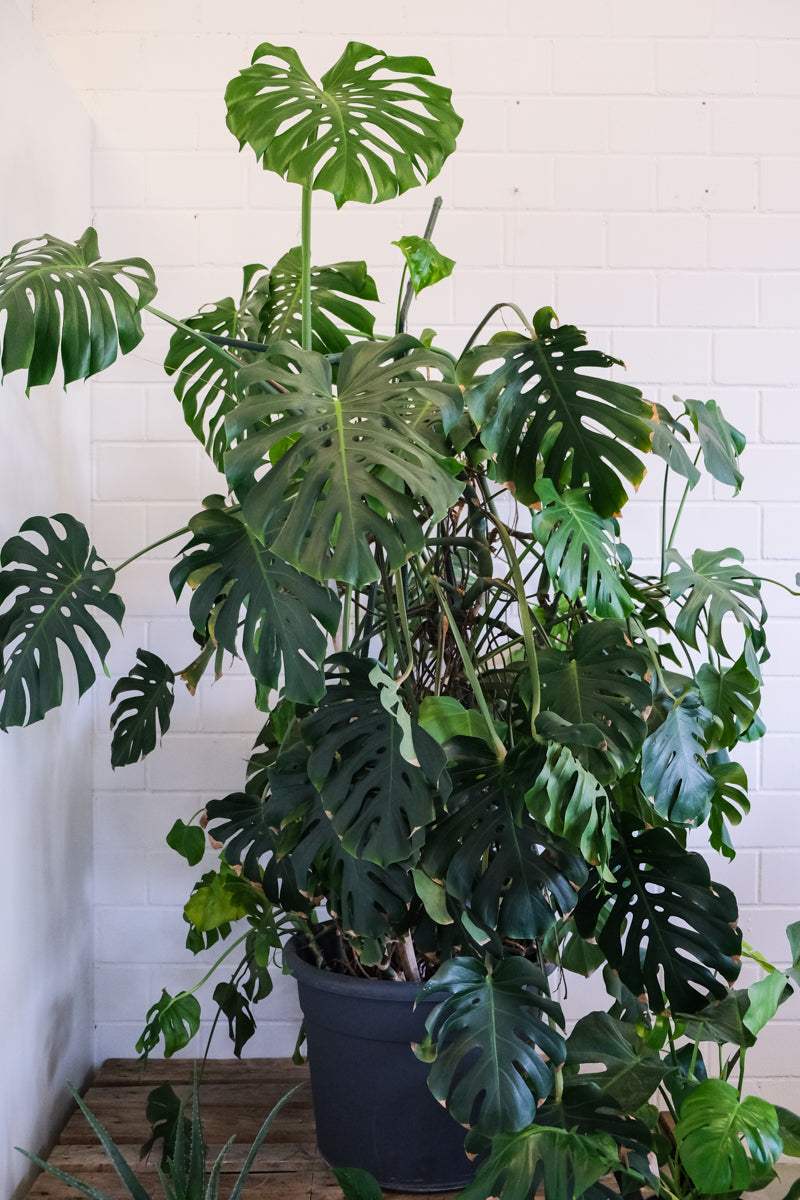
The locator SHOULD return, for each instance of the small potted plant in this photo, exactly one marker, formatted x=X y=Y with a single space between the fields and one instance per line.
x=487 y=734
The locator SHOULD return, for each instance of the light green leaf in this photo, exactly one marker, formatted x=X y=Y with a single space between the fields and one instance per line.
x=60 y=299
x=668 y=438
x=376 y=127
x=579 y=550
x=720 y=441
x=766 y=997
x=675 y=774
x=444 y=717
x=733 y=696
x=570 y=802
x=715 y=586
x=214 y=903
x=713 y=1130
x=426 y=265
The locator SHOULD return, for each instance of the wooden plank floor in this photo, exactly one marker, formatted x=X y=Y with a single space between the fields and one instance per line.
x=235 y=1098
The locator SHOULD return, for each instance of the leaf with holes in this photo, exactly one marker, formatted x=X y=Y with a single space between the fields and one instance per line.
x=593 y=696
x=495 y=1052
x=579 y=550
x=569 y=801
x=335 y=313
x=280 y=616
x=714 y=587
x=724 y=1142
x=540 y=1161
x=175 y=1018
x=59 y=298
x=535 y=400
x=629 y=1070
x=376 y=127
x=379 y=775
x=361 y=466
x=729 y=802
x=51 y=592
x=669 y=931
x=675 y=774
x=733 y=696
x=143 y=716
x=205 y=375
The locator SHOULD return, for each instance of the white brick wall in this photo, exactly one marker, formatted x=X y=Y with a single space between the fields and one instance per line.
x=633 y=164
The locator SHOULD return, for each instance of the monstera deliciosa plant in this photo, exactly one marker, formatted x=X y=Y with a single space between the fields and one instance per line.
x=486 y=734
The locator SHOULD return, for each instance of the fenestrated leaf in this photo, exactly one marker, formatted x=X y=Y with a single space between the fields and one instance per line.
x=712 y=1131
x=668 y=438
x=279 y=615
x=720 y=441
x=729 y=802
x=61 y=299
x=143 y=716
x=571 y=803
x=378 y=775
x=331 y=308
x=375 y=127
x=715 y=586
x=539 y=402
x=630 y=1071
x=175 y=1018
x=558 y=1163
x=675 y=773
x=205 y=376
x=235 y=1007
x=733 y=696
x=669 y=931
x=495 y=1052
x=51 y=593
x=363 y=466
x=593 y=697
x=240 y=823
x=499 y=866
x=426 y=265
x=579 y=550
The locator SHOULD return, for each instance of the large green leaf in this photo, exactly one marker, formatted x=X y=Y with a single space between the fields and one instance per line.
x=239 y=821
x=331 y=308
x=568 y=800
x=579 y=550
x=501 y=869
x=733 y=696
x=630 y=1071
x=593 y=697
x=60 y=299
x=494 y=1052
x=377 y=773
x=363 y=467
x=205 y=375
x=375 y=127
x=142 y=717
x=537 y=402
x=668 y=438
x=560 y=1164
x=713 y=1130
x=668 y=931
x=714 y=587
x=51 y=592
x=720 y=441
x=280 y=615
x=675 y=773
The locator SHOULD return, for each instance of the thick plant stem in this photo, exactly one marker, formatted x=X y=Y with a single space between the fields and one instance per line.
x=305 y=280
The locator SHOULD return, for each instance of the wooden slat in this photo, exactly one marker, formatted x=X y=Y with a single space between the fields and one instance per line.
x=235 y=1098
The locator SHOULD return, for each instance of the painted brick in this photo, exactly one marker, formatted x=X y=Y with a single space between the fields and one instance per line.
x=708 y=184
x=644 y=20
x=142 y=121
x=767 y=357
x=523 y=64
x=598 y=66
x=659 y=125
x=699 y=67
x=607 y=297
x=93 y=61
x=555 y=239
x=597 y=183
x=503 y=181
x=777 y=67
x=552 y=123
x=145 y=472
x=195 y=180
x=780 y=179
x=756 y=126
x=780 y=880
x=780 y=761
x=215 y=762
x=586 y=15
x=708 y=299
x=166 y=238
x=772 y=19
x=781 y=415
x=677 y=358
x=121 y=993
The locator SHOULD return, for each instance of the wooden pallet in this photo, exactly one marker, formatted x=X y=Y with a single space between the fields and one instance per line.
x=235 y=1098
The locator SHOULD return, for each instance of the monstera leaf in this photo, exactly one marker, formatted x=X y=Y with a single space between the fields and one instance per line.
x=143 y=716
x=668 y=932
x=713 y=1130
x=258 y=599
x=668 y=438
x=579 y=550
x=675 y=773
x=561 y=1164
x=239 y=821
x=375 y=127
x=331 y=305
x=570 y=802
x=536 y=402
x=60 y=299
x=52 y=592
x=507 y=873
x=629 y=1070
x=492 y=1051
x=378 y=775
x=714 y=587
x=729 y=802
x=205 y=374
x=593 y=697
x=733 y=696
x=720 y=441
x=425 y=264
x=360 y=465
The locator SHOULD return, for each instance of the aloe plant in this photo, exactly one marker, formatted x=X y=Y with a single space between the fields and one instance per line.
x=487 y=733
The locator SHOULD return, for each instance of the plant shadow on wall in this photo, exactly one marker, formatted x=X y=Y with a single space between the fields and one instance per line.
x=486 y=734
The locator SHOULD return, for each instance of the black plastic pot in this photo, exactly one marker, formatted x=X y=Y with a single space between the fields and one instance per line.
x=371 y=1101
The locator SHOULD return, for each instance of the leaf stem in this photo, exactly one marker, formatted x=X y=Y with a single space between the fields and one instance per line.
x=403 y=308
x=496 y=308
x=305 y=278
x=219 y=352
x=169 y=537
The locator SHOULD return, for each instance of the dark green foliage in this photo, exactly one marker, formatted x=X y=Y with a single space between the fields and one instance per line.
x=142 y=718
